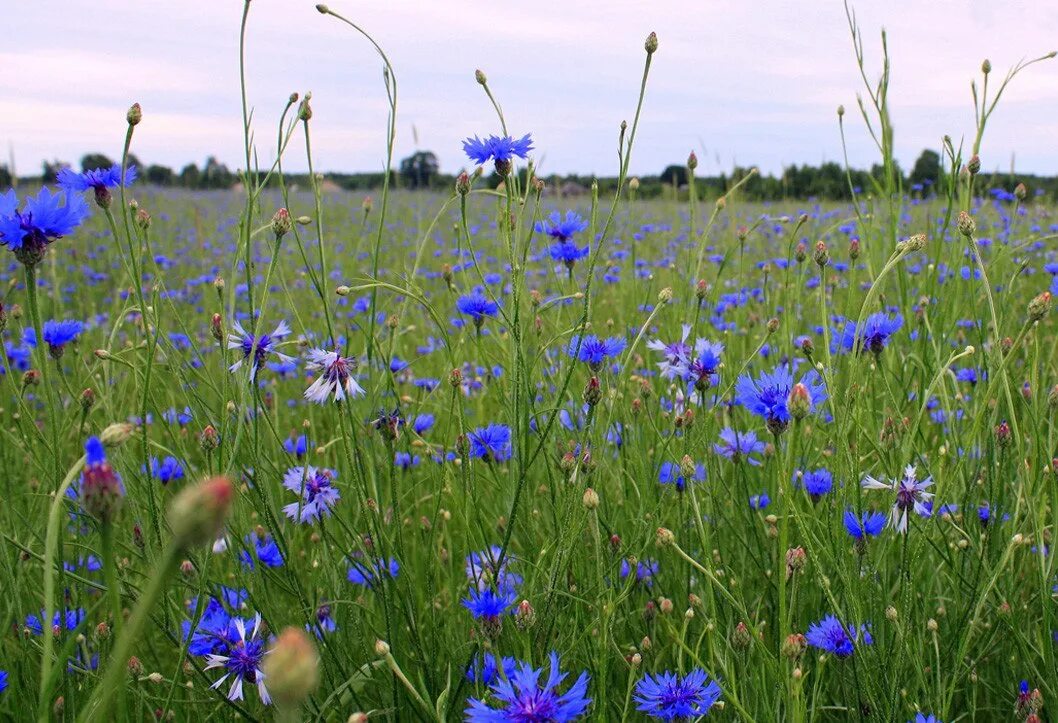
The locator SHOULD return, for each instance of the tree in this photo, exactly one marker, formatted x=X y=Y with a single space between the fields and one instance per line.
x=5 y=177
x=216 y=175
x=419 y=169
x=159 y=175
x=676 y=175
x=92 y=161
x=927 y=169
x=49 y=169
x=190 y=176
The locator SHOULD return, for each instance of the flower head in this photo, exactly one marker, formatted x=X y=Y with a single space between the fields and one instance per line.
x=910 y=494
x=739 y=446
x=594 y=350
x=316 y=490
x=491 y=443
x=701 y=367
x=256 y=350
x=831 y=636
x=57 y=334
x=241 y=661
x=817 y=483
x=667 y=696
x=559 y=228
x=501 y=150
x=869 y=524
x=100 y=180
x=523 y=697
x=873 y=336
x=335 y=379
x=676 y=357
x=43 y=219
x=102 y=492
x=768 y=395
x=477 y=306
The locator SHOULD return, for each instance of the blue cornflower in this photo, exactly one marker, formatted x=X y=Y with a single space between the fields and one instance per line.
x=501 y=150
x=869 y=524
x=817 y=483
x=873 y=336
x=484 y=569
x=768 y=396
x=296 y=446
x=666 y=696
x=422 y=424
x=486 y=670
x=489 y=604
x=477 y=306
x=368 y=575
x=265 y=549
x=40 y=222
x=524 y=697
x=57 y=334
x=830 y=635
x=759 y=502
x=910 y=494
x=167 y=470
x=242 y=661
x=701 y=367
x=568 y=253
x=562 y=229
x=317 y=491
x=405 y=461
x=594 y=350
x=101 y=490
x=256 y=350
x=100 y=180
x=676 y=356
x=3 y=680
x=920 y=718
x=645 y=570
x=491 y=443
x=739 y=446
x=671 y=473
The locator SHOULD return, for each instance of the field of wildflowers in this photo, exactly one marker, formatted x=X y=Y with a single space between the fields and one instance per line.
x=295 y=455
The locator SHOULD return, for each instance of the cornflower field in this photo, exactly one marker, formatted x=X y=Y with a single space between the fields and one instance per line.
x=284 y=453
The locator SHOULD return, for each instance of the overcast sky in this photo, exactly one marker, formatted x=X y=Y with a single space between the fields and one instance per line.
x=742 y=82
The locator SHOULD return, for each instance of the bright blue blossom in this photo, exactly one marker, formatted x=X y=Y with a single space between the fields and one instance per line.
x=166 y=470
x=242 y=661
x=501 y=150
x=43 y=219
x=831 y=636
x=477 y=306
x=817 y=483
x=768 y=395
x=486 y=670
x=869 y=524
x=58 y=334
x=491 y=443
x=523 y=697
x=873 y=336
x=667 y=696
x=315 y=487
x=739 y=446
x=594 y=351
x=368 y=576
x=489 y=604
x=562 y=229
x=98 y=179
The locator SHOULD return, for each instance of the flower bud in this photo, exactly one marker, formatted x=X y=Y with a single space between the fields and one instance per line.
x=1040 y=306
x=292 y=668
x=281 y=223
x=633 y=185
x=216 y=327
x=741 y=637
x=479 y=76
x=134 y=115
x=102 y=493
x=197 y=515
x=651 y=44
x=209 y=439
x=665 y=295
x=821 y=255
x=1020 y=192
x=592 y=392
x=794 y=646
x=463 y=183
x=381 y=648
x=591 y=499
x=664 y=537
x=524 y=616
x=692 y=161
x=799 y=403
x=116 y=434
x=87 y=399
x=966 y=224
x=974 y=165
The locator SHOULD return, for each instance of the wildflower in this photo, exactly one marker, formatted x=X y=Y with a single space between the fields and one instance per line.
x=100 y=180
x=594 y=351
x=759 y=502
x=671 y=473
x=910 y=494
x=242 y=662
x=873 y=336
x=739 y=446
x=830 y=635
x=817 y=483
x=701 y=369
x=256 y=349
x=644 y=572
x=264 y=548
x=920 y=718
x=667 y=696
x=3 y=680
x=562 y=229
x=484 y=569
x=768 y=395
x=676 y=356
x=368 y=576
x=488 y=604
x=500 y=150
x=166 y=470
x=57 y=334
x=389 y=424
x=101 y=490
x=316 y=489
x=335 y=377
x=523 y=697
x=423 y=423
x=40 y=222
x=477 y=306
x=296 y=446
x=486 y=670
x=491 y=443
x=870 y=524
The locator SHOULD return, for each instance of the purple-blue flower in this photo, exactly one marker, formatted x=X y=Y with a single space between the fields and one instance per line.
x=739 y=446
x=501 y=150
x=524 y=697
x=315 y=487
x=873 y=336
x=667 y=696
x=831 y=636
x=491 y=443
x=869 y=524
x=594 y=351
x=768 y=395
x=477 y=306
x=242 y=661
x=97 y=179
x=43 y=219
x=910 y=494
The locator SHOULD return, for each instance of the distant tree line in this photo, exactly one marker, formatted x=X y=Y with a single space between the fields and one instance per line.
x=421 y=170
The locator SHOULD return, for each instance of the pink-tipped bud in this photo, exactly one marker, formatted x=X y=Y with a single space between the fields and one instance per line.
x=198 y=513
x=292 y=668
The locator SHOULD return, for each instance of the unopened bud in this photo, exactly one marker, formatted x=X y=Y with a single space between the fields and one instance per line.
x=197 y=515
x=1040 y=306
x=292 y=668
x=281 y=223
x=651 y=44
x=134 y=115
x=966 y=224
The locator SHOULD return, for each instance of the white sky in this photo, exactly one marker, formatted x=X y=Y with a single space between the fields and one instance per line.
x=753 y=82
